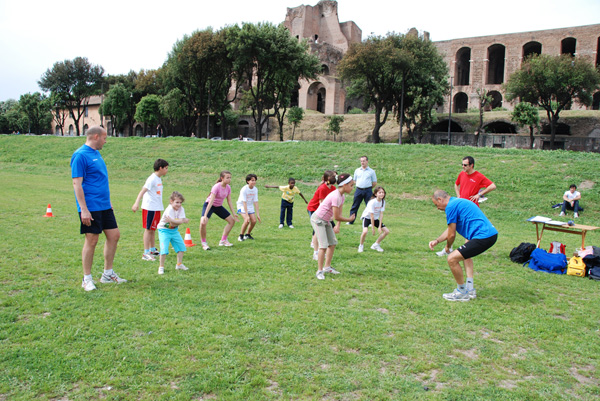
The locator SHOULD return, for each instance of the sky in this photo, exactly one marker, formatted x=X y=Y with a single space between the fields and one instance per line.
x=129 y=35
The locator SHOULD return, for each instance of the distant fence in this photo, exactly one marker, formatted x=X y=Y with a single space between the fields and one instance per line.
x=579 y=144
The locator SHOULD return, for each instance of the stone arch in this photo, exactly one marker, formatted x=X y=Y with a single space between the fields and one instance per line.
x=324 y=69
x=462 y=68
x=496 y=99
x=57 y=130
x=500 y=127
x=561 y=129
x=316 y=97
x=461 y=103
x=530 y=48
x=496 y=60
x=85 y=128
x=596 y=101
x=568 y=46
x=243 y=128
x=71 y=129
x=139 y=130
x=442 y=126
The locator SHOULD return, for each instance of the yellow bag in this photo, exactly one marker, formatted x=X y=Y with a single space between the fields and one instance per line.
x=576 y=267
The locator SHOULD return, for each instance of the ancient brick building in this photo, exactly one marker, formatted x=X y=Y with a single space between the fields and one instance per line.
x=488 y=61
x=329 y=40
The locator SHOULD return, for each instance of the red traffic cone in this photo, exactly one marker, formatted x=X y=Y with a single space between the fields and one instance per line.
x=49 y=211
x=188 y=239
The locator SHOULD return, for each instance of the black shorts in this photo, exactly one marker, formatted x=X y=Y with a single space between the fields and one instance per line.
x=103 y=220
x=367 y=223
x=218 y=210
x=477 y=246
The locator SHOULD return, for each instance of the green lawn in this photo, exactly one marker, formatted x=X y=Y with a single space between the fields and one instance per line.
x=251 y=322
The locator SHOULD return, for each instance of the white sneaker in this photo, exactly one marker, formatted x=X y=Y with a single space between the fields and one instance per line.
x=361 y=248
x=456 y=295
x=88 y=285
x=576 y=215
x=281 y=226
x=241 y=238
x=320 y=275
x=472 y=293
x=148 y=257
x=181 y=267
x=315 y=255
x=205 y=246
x=161 y=270
x=443 y=252
x=291 y=226
x=330 y=270
x=311 y=245
x=225 y=243
x=113 y=278
x=562 y=214
x=377 y=247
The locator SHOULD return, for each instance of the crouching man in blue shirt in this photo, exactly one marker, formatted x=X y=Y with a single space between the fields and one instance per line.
x=466 y=218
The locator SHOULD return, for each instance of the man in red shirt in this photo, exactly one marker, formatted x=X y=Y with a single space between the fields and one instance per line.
x=469 y=182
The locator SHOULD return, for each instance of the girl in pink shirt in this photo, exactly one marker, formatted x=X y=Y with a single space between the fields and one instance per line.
x=214 y=204
x=330 y=208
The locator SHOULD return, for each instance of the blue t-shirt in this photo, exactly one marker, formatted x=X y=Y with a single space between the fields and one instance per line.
x=88 y=163
x=470 y=221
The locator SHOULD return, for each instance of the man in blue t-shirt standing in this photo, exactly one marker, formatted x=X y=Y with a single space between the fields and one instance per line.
x=466 y=218
x=365 y=179
x=92 y=195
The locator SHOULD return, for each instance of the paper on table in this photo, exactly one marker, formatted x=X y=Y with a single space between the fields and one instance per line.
x=556 y=223
x=539 y=219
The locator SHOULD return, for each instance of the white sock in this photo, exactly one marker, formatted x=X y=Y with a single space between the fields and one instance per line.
x=108 y=272
x=87 y=277
x=469 y=283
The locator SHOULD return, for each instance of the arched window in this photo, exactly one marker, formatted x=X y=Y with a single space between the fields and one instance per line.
x=568 y=46
x=324 y=69
x=71 y=130
x=139 y=131
x=462 y=69
x=496 y=56
x=57 y=130
x=442 y=126
x=596 y=101
x=598 y=53
x=85 y=128
x=530 y=48
x=496 y=99
x=461 y=102
x=500 y=127
x=321 y=100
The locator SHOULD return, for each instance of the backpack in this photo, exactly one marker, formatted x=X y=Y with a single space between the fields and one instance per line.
x=548 y=262
x=594 y=273
x=576 y=267
x=522 y=253
x=557 y=247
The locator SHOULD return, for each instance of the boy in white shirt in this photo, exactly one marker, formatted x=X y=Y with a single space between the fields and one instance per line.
x=247 y=206
x=152 y=205
x=168 y=232
x=571 y=201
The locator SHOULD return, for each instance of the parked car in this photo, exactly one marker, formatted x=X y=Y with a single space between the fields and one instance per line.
x=216 y=138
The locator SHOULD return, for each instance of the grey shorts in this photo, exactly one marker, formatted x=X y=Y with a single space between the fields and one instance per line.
x=323 y=231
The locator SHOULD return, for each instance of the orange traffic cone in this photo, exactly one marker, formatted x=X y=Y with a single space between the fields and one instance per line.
x=188 y=239
x=49 y=211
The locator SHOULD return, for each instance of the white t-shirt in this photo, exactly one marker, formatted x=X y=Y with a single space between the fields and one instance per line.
x=174 y=214
x=570 y=196
x=152 y=199
x=249 y=196
x=375 y=207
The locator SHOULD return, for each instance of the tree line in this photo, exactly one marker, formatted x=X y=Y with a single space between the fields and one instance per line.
x=399 y=76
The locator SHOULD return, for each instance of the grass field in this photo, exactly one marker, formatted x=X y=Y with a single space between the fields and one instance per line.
x=251 y=322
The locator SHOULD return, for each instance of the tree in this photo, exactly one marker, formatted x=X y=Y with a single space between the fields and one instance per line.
x=268 y=62
x=172 y=108
x=9 y=115
x=148 y=110
x=553 y=82
x=37 y=108
x=74 y=81
x=525 y=114
x=295 y=117
x=333 y=126
x=424 y=84
x=116 y=105
x=59 y=111
x=376 y=68
x=483 y=99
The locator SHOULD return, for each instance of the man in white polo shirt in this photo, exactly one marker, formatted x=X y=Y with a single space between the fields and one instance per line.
x=365 y=179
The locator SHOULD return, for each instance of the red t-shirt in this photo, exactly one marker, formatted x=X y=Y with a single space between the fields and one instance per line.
x=319 y=195
x=471 y=184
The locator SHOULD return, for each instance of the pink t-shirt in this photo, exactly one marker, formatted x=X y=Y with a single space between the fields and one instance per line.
x=325 y=210
x=220 y=194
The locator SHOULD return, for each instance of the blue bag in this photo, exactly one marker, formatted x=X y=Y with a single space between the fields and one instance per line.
x=548 y=262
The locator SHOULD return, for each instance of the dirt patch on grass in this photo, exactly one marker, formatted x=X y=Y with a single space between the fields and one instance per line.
x=469 y=353
x=586 y=185
x=575 y=372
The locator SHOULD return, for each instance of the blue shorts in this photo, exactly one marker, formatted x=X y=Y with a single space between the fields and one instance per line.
x=240 y=211
x=103 y=220
x=171 y=236
x=218 y=210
